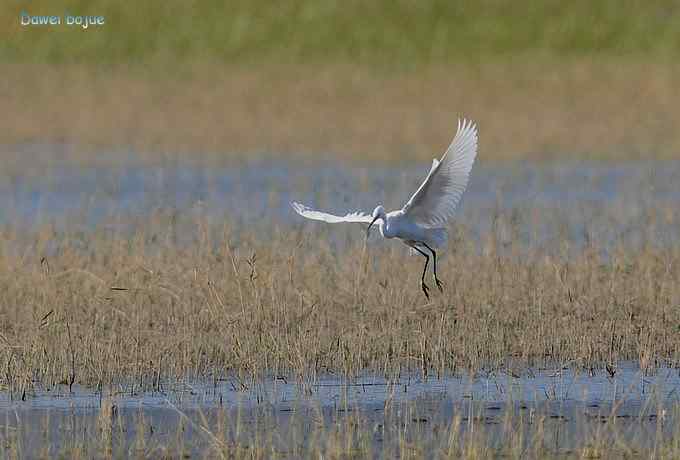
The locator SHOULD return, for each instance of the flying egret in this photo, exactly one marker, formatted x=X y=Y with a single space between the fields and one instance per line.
x=421 y=223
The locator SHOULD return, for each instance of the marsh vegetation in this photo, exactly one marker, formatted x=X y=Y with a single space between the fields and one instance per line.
x=160 y=299
x=148 y=293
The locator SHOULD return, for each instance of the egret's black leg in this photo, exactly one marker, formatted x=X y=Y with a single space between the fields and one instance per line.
x=424 y=286
x=440 y=285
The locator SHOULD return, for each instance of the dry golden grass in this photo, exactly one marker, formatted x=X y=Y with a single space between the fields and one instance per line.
x=104 y=306
x=526 y=108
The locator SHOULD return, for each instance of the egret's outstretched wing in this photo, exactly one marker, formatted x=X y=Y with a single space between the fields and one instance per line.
x=313 y=214
x=436 y=199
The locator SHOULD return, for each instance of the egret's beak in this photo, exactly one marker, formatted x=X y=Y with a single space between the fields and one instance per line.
x=368 y=230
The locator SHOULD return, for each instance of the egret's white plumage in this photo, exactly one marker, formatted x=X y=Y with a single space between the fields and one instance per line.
x=421 y=223
x=437 y=198
x=309 y=213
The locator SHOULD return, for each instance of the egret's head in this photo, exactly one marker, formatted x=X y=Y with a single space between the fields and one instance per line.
x=378 y=213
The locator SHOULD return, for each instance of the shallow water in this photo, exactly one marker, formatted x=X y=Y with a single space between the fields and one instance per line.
x=569 y=403
x=545 y=205
x=629 y=385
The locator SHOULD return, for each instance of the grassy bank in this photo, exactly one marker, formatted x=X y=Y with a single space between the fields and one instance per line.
x=382 y=33
x=583 y=108
x=382 y=81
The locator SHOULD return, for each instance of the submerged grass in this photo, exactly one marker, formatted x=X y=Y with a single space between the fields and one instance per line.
x=111 y=305
x=402 y=431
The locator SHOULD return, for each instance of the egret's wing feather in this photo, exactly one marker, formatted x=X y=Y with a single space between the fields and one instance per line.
x=436 y=199
x=309 y=213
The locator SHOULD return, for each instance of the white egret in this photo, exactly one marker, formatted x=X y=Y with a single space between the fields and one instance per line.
x=421 y=223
